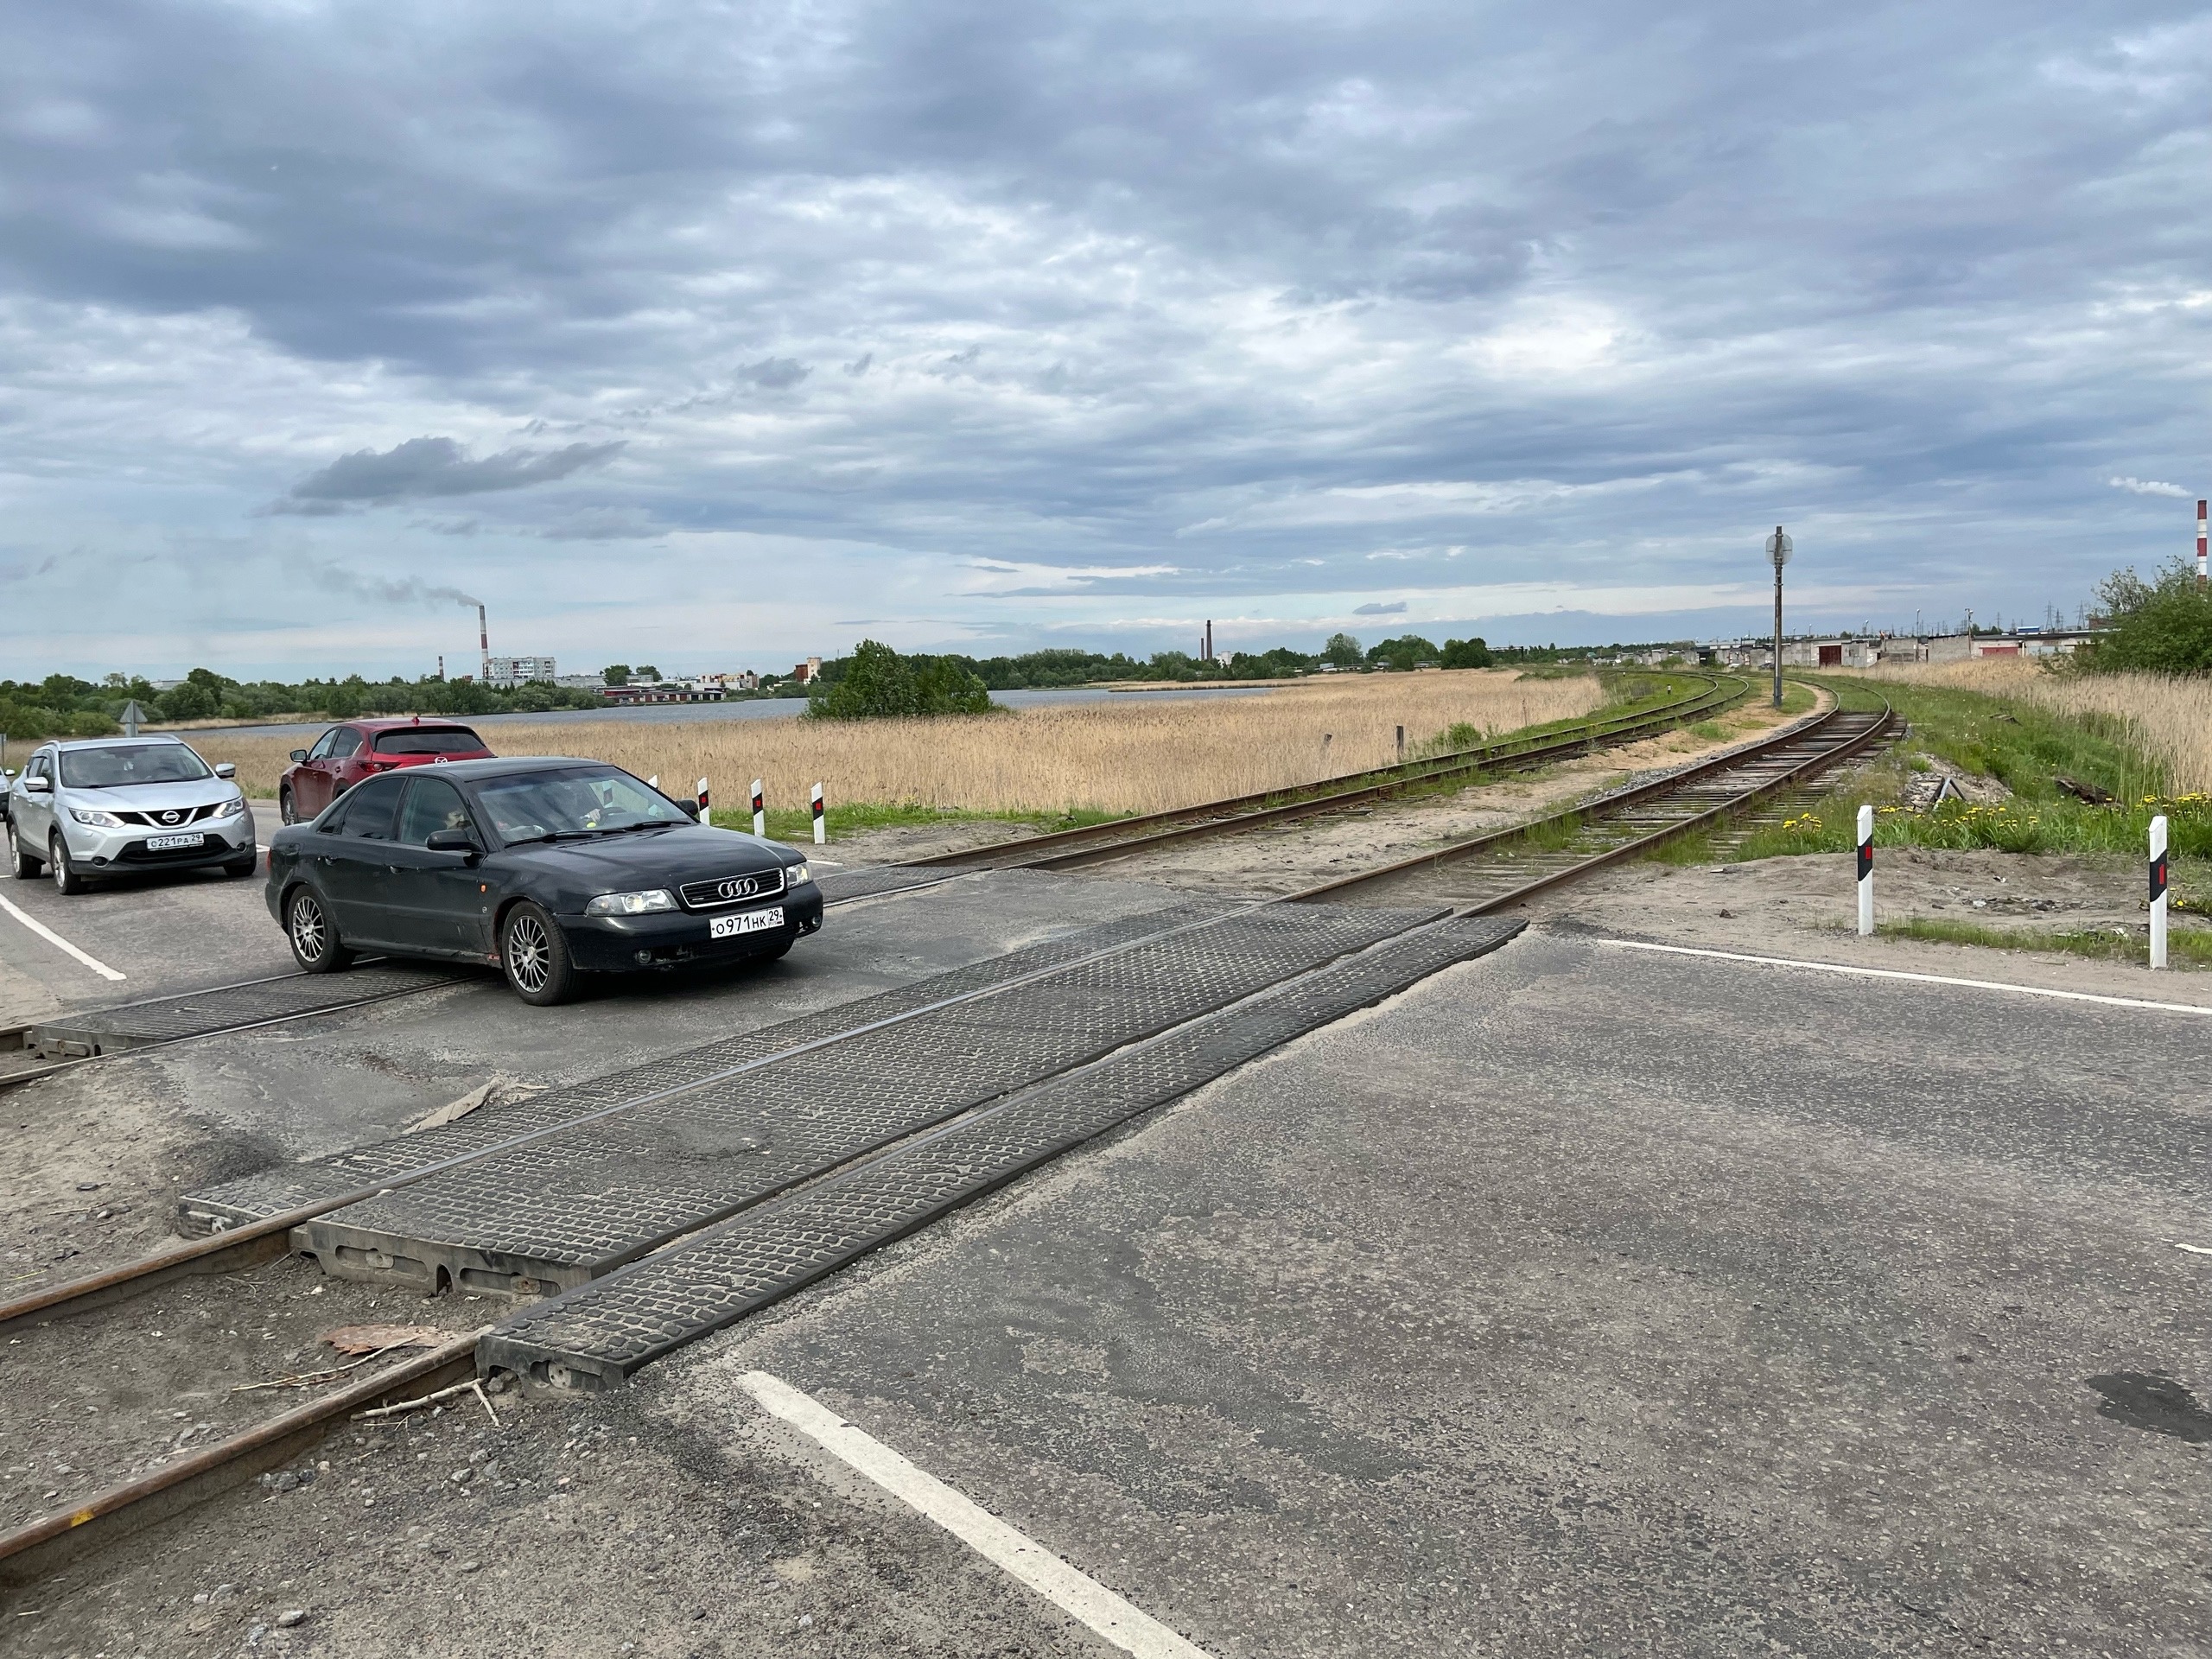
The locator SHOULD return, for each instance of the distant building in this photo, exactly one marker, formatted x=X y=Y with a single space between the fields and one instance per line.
x=510 y=671
x=809 y=671
x=706 y=689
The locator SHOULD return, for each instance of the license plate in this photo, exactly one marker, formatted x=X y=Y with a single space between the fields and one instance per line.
x=751 y=921
x=170 y=843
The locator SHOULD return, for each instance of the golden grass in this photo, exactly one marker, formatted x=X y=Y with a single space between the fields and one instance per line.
x=2169 y=717
x=1134 y=753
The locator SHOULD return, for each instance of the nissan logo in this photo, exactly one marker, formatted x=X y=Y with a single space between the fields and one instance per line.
x=171 y=818
x=736 y=887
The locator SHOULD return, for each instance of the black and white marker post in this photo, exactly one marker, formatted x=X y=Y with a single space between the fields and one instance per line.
x=2159 y=891
x=821 y=830
x=1866 y=870
x=706 y=808
x=759 y=810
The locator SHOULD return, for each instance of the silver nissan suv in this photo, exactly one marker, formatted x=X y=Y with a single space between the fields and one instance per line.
x=88 y=807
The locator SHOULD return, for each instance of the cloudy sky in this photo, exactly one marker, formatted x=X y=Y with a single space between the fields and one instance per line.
x=717 y=335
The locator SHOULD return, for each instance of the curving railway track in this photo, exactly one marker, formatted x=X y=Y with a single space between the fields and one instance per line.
x=1473 y=876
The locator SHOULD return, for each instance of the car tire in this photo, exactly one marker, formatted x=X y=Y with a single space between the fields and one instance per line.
x=315 y=944
x=534 y=957
x=245 y=866
x=285 y=809
x=21 y=864
x=66 y=879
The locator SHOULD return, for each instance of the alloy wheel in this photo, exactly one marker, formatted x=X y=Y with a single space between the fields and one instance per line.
x=310 y=934
x=530 y=954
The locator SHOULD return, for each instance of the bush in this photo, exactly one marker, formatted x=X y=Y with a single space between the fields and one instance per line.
x=190 y=700
x=875 y=682
x=1402 y=654
x=2163 y=627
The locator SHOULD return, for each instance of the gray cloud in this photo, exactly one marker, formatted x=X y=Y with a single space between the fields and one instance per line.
x=1531 y=311
x=1396 y=608
x=434 y=467
x=774 y=374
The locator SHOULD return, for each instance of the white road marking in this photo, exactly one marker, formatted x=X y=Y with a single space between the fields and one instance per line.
x=2196 y=1250
x=54 y=938
x=1928 y=979
x=1017 y=1554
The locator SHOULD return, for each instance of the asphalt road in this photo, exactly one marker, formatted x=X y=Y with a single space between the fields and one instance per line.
x=1582 y=1301
x=1590 y=1301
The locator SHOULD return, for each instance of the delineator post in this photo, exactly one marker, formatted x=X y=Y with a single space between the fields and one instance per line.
x=1866 y=870
x=759 y=810
x=2159 y=891
x=820 y=830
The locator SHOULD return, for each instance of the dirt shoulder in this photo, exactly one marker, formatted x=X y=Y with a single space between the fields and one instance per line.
x=1807 y=906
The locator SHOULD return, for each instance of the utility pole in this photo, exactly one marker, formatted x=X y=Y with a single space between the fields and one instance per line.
x=1778 y=546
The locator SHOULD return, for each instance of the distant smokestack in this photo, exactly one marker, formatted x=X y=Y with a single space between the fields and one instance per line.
x=2201 y=571
x=1209 y=639
x=442 y=665
x=484 y=645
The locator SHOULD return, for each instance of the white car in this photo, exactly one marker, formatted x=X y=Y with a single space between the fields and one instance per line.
x=88 y=807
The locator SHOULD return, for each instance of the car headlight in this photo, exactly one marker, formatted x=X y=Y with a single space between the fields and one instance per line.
x=631 y=904
x=231 y=808
x=94 y=815
x=797 y=875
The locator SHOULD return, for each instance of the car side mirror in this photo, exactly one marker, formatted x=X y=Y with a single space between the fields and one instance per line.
x=36 y=785
x=225 y=769
x=690 y=809
x=452 y=841
x=299 y=754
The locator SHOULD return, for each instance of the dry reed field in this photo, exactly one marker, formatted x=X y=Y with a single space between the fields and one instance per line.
x=1129 y=753
x=2169 y=717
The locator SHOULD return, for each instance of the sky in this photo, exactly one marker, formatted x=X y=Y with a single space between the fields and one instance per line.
x=719 y=335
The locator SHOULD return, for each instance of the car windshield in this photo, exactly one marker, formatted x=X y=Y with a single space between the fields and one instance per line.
x=429 y=739
x=573 y=801
x=123 y=764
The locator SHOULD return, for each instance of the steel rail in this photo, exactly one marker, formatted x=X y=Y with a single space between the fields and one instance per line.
x=20 y=1034
x=1095 y=843
x=32 y=1552
x=16 y=1038
x=1611 y=805
x=252 y=1242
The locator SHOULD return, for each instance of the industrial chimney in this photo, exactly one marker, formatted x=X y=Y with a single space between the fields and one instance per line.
x=484 y=645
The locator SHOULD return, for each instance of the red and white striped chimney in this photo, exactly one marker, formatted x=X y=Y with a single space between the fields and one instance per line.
x=2201 y=571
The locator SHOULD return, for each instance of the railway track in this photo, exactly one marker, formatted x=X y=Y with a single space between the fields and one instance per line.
x=933 y=1093
x=1127 y=837
x=705 y=1268
x=29 y=1052
x=1481 y=874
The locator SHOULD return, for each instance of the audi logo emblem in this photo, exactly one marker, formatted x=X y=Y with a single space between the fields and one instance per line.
x=736 y=887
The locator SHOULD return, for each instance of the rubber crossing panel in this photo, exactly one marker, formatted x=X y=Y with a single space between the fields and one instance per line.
x=594 y=1338
x=225 y=1008
x=292 y=1187
x=564 y=1209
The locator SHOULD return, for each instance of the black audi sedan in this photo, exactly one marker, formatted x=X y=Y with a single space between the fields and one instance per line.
x=547 y=867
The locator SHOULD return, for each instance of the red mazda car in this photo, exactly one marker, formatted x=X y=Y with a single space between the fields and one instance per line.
x=361 y=748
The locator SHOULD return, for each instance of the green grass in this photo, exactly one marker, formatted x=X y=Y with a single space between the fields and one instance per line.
x=2188 y=947
x=796 y=825
x=2022 y=746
